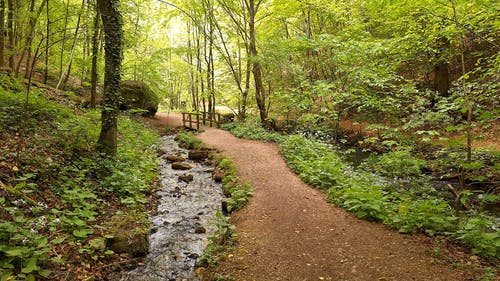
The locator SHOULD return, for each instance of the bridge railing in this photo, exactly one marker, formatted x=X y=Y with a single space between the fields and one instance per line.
x=193 y=120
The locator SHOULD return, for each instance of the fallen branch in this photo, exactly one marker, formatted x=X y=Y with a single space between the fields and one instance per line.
x=18 y=193
x=458 y=197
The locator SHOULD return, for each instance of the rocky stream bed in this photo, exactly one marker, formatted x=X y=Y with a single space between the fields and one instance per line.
x=189 y=201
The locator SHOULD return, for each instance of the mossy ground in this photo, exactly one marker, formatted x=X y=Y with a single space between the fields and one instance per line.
x=61 y=199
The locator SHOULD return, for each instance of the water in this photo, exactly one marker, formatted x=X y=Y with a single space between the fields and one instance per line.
x=184 y=221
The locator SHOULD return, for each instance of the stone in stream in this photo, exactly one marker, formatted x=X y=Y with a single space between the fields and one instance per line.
x=199 y=229
x=181 y=166
x=136 y=244
x=164 y=150
x=186 y=178
x=218 y=175
x=198 y=155
x=174 y=158
x=183 y=222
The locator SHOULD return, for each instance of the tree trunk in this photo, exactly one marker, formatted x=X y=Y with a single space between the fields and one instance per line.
x=442 y=79
x=29 y=39
x=10 y=31
x=113 y=40
x=256 y=67
x=468 y=98
x=67 y=72
x=192 y=84
x=63 y=41
x=95 y=54
x=2 y=32
x=47 y=40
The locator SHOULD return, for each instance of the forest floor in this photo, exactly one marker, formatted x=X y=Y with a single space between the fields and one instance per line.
x=288 y=231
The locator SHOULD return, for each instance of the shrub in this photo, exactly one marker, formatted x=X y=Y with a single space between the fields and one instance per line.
x=400 y=163
x=187 y=140
x=417 y=207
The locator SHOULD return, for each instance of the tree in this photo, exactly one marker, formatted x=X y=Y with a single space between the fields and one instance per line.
x=95 y=55
x=260 y=91
x=10 y=32
x=113 y=42
x=2 y=32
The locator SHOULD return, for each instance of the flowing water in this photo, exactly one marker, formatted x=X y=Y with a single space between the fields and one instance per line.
x=184 y=221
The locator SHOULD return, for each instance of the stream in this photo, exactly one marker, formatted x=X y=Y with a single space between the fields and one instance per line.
x=183 y=222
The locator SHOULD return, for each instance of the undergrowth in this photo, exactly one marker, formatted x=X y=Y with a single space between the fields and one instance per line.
x=187 y=140
x=58 y=194
x=236 y=191
x=237 y=194
x=410 y=205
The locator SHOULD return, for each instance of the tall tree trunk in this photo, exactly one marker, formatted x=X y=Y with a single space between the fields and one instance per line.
x=199 y=76
x=113 y=39
x=47 y=40
x=10 y=31
x=95 y=55
x=67 y=72
x=63 y=41
x=2 y=33
x=192 y=84
x=256 y=67
x=468 y=98
x=29 y=39
x=442 y=78
x=441 y=69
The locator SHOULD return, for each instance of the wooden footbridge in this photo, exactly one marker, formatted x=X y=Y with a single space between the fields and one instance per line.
x=193 y=120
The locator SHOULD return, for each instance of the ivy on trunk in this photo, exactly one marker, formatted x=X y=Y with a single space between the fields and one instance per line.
x=113 y=42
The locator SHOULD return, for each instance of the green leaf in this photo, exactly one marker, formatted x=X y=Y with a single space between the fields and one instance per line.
x=45 y=273
x=19 y=252
x=7 y=275
x=30 y=265
x=58 y=240
x=82 y=233
x=57 y=260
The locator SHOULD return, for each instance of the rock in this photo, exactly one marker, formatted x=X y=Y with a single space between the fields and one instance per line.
x=218 y=175
x=200 y=229
x=181 y=166
x=186 y=178
x=225 y=211
x=135 y=244
x=193 y=256
x=138 y=95
x=226 y=192
x=164 y=150
x=198 y=155
x=174 y=158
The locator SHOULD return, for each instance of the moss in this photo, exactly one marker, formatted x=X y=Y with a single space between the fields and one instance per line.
x=137 y=95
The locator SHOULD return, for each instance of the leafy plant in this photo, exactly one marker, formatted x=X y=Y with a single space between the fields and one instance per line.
x=219 y=242
x=399 y=163
x=69 y=186
x=187 y=140
x=409 y=207
x=238 y=192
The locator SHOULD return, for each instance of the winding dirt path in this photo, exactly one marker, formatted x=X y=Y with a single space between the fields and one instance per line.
x=289 y=232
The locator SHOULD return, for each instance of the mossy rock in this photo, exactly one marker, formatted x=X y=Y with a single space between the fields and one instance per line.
x=136 y=244
x=127 y=234
x=137 y=95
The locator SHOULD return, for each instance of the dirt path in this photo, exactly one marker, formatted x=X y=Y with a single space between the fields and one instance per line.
x=289 y=232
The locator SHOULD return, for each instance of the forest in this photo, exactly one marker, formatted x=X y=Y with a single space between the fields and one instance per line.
x=389 y=107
